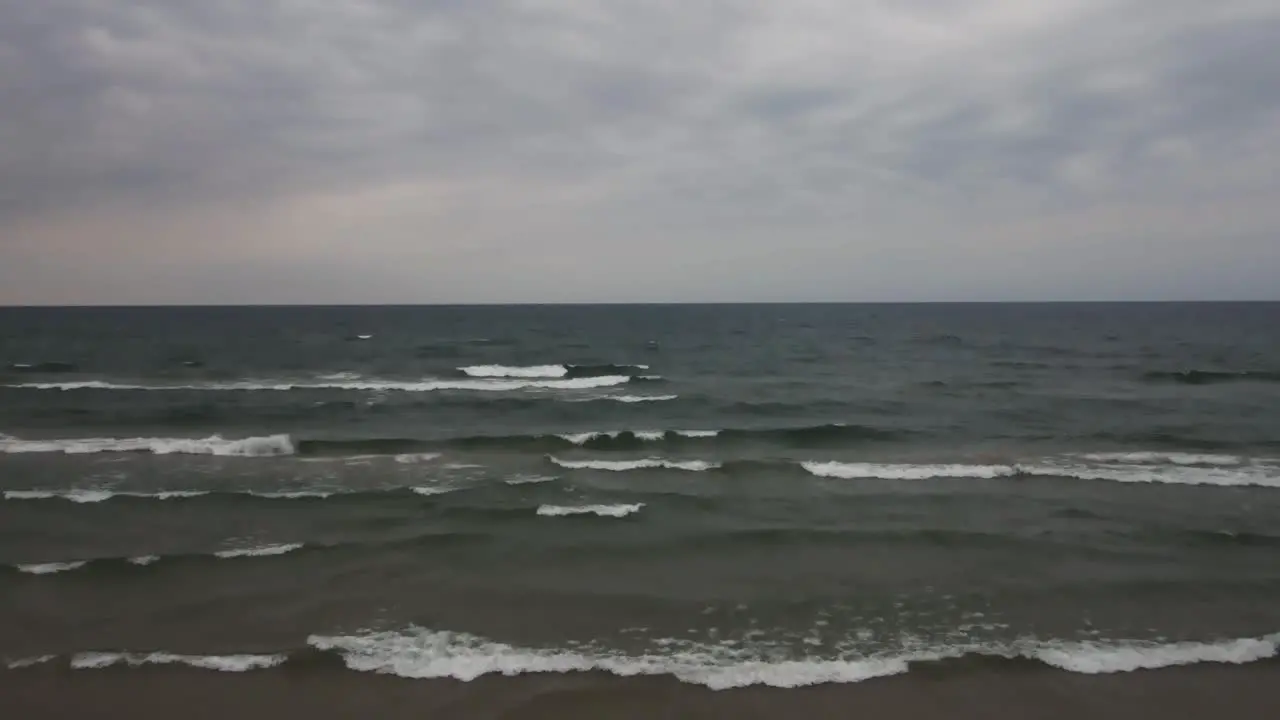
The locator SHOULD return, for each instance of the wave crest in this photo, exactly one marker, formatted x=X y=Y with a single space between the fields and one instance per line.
x=212 y=445
x=616 y=511
x=646 y=463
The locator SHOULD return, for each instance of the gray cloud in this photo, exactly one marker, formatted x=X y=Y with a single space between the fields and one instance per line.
x=384 y=151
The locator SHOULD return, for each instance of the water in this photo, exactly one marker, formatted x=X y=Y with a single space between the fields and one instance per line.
x=773 y=494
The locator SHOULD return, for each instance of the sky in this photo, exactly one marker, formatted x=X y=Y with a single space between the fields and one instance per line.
x=486 y=151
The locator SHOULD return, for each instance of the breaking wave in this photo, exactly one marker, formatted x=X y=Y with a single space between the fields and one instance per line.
x=623 y=465
x=430 y=385
x=259 y=551
x=51 y=568
x=421 y=653
x=222 y=663
x=212 y=445
x=615 y=511
x=1252 y=475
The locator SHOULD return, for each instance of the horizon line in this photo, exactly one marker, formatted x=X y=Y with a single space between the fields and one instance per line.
x=699 y=303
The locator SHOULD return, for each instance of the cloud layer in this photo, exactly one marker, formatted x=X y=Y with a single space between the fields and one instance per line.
x=569 y=150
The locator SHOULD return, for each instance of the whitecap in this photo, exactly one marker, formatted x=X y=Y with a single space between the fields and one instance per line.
x=411 y=458
x=212 y=445
x=51 y=568
x=421 y=653
x=645 y=463
x=617 y=511
x=222 y=663
x=517 y=371
x=261 y=551
x=431 y=385
x=30 y=662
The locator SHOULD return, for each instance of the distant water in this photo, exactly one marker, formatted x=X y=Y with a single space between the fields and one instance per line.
x=731 y=495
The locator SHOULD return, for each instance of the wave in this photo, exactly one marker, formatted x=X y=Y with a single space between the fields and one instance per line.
x=1166 y=458
x=421 y=653
x=51 y=568
x=212 y=445
x=1252 y=476
x=1209 y=377
x=646 y=463
x=83 y=496
x=850 y=471
x=222 y=663
x=552 y=371
x=615 y=511
x=509 y=371
x=479 y=384
x=259 y=551
x=636 y=398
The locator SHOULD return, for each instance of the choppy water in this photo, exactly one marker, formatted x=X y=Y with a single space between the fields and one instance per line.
x=730 y=494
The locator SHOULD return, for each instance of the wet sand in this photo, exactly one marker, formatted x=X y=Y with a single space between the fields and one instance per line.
x=1000 y=690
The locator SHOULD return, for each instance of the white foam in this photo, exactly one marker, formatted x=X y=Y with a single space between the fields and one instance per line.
x=624 y=465
x=637 y=398
x=479 y=384
x=583 y=438
x=51 y=568
x=1162 y=458
x=419 y=653
x=1256 y=476
x=516 y=371
x=616 y=511
x=1095 y=658
x=650 y=435
x=698 y=433
x=78 y=496
x=292 y=494
x=30 y=662
x=904 y=472
x=412 y=458
x=429 y=490
x=213 y=445
x=262 y=551
x=530 y=479
x=222 y=663
x=144 y=560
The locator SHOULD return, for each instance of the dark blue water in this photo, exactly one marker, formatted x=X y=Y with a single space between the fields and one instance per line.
x=699 y=488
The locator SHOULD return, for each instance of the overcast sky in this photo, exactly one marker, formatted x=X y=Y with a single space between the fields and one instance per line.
x=441 y=151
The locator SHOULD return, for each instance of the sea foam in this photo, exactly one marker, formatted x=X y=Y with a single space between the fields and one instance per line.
x=421 y=653
x=616 y=511
x=222 y=663
x=645 y=463
x=212 y=445
x=429 y=385
x=518 y=371
x=260 y=551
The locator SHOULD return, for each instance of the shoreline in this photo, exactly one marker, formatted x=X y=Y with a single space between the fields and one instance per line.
x=316 y=692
